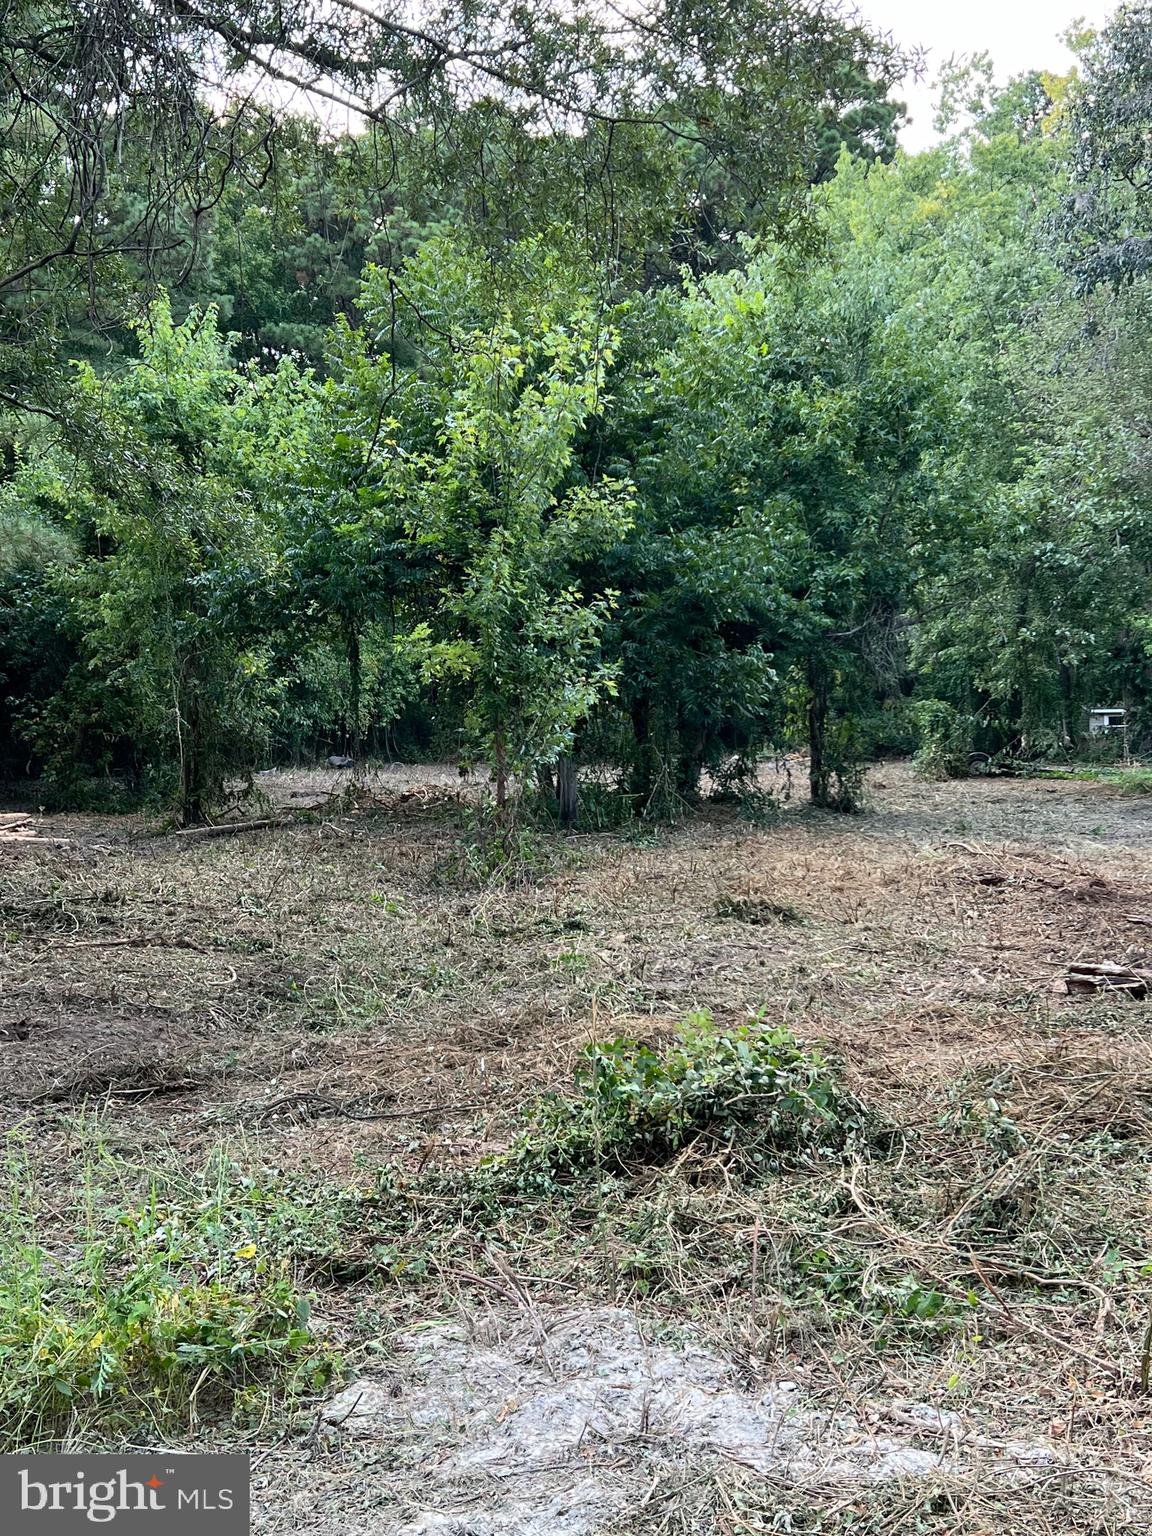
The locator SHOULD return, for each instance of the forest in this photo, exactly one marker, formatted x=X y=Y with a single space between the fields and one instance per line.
x=575 y=767
x=544 y=417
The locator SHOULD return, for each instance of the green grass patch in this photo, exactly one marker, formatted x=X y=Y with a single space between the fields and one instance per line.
x=1136 y=779
x=142 y=1317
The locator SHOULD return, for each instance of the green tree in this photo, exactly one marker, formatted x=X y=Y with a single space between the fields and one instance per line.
x=177 y=469
x=499 y=502
x=780 y=450
x=1106 y=223
x=125 y=127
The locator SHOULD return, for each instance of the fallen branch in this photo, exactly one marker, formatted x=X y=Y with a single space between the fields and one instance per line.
x=224 y=828
x=1025 y=1325
x=134 y=941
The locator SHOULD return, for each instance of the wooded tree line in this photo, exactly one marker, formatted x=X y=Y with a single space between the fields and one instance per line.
x=605 y=390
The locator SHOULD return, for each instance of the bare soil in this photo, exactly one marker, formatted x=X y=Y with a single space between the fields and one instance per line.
x=336 y=995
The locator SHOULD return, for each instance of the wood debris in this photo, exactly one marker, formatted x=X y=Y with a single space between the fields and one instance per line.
x=224 y=828
x=21 y=827
x=1085 y=979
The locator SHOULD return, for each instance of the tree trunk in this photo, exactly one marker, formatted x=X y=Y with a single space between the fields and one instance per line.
x=568 y=791
x=693 y=744
x=1067 y=705
x=354 y=690
x=818 y=773
x=194 y=787
x=643 y=775
x=500 y=766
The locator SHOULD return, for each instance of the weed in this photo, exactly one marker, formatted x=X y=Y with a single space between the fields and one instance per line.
x=572 y=961
x=759 y=808
x=497 y=851
x=734 y=783
x=983 y=1117
x=604 y=806
x=151 y=1316
x=644 y=834
x=752 y=1088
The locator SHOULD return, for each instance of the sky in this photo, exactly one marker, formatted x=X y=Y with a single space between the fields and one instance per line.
x=1019 y=34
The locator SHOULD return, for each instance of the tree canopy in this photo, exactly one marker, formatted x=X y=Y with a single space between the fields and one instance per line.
x=561 y=387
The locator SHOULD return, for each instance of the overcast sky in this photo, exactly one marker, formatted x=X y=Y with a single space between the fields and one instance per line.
x=1019 y=34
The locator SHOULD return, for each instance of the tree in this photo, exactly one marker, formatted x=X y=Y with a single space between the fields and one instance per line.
x=498 y=502
x=861 y=118
x=779 y=454
x=1107 y=213
x=125 y=125
x=175 y=466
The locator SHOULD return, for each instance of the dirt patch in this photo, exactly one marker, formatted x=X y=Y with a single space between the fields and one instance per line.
x=555 y=1420
x=1093 y=819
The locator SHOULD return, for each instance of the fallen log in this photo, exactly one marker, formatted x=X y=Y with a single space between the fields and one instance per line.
x=224 y=828
x=24 y=830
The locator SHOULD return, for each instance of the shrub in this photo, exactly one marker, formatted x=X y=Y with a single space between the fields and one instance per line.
x=945 y=740
x=751 y=1087
x=497 y=849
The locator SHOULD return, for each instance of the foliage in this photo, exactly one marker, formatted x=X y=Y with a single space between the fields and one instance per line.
x=752 y=1088
x=159 y=1314
x=945 y=740
x=676 y=452
x=1106 y=210
x=781 y=447
x=499 y=503
x=173 y=476
x=130 y=136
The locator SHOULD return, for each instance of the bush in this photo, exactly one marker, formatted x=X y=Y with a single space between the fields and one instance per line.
x=752 y=1087
x=945 y=740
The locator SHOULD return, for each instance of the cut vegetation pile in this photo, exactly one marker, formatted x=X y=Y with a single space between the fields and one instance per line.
x=617 y=1199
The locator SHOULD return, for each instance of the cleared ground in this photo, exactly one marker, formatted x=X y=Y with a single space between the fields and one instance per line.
x=947 y=1329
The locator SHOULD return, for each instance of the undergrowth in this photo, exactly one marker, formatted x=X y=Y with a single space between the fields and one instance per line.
x=753 y=1089
x=726 y=1175
x=1133 y=779
x=146 y=1316
x=946 y=737
x=500 y=849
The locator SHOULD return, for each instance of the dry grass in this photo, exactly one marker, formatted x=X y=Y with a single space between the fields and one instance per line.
x=331 y=998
